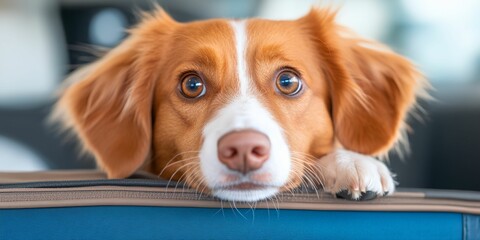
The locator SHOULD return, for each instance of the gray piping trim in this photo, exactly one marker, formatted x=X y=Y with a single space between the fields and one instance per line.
x=471 y=227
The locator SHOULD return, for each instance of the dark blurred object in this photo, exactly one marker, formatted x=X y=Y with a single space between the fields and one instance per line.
x=455 y=148
x=29 y=127
x=89 y=28
x=446 y=146
x=89 y=25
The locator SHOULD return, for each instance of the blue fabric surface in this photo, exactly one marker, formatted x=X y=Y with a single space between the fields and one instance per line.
x=130 y=222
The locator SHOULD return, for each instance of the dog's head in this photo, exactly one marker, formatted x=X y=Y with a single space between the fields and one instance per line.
x=240 y=109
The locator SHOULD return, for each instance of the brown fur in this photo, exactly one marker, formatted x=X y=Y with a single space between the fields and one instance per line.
x=128 y=112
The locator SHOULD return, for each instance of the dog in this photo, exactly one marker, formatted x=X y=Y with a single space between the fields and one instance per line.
x=245 y=109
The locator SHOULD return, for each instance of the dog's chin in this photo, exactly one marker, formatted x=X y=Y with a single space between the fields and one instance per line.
x=245 y=195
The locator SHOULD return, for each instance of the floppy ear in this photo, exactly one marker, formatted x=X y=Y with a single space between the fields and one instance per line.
x=110 y=103
x=372 y=88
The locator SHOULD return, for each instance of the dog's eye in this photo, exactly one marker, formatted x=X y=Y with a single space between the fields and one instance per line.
x=288 y=83
x=192 y=86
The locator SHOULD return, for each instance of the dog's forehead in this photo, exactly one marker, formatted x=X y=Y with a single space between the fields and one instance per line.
x=222 y=36
x=278 y=39
x=202 y=45
x=214 y=31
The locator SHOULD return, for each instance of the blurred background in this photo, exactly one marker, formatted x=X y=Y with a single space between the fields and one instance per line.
x=42 y=41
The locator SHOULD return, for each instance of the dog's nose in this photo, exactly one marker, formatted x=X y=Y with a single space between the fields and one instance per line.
x=244 y=151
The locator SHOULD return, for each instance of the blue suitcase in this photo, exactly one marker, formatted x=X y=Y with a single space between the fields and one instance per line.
x=85 y=205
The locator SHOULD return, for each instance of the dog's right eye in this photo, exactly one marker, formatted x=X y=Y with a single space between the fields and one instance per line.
x=288 y=83
x=192 y=86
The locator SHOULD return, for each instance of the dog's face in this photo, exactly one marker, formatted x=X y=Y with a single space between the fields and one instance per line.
x=239 y=109
x=228 y=82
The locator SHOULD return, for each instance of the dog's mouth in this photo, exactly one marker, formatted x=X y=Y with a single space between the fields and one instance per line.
x=245 y=186
x=245 y=191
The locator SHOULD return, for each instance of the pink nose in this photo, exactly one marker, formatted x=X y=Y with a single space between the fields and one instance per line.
x=243 y=151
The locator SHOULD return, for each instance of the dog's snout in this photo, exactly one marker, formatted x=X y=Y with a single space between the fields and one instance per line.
x=244 y=151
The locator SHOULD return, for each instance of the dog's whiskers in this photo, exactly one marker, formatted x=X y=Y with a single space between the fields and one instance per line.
x=181 y=167
x=173 y=158
x=310 y=171
x=311 y=177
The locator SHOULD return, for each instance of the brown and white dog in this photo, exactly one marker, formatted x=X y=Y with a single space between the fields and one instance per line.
x=245 y=109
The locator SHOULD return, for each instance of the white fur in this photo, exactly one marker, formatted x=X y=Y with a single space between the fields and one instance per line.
x=244 y=111
x=239 y=28
x=357 y=173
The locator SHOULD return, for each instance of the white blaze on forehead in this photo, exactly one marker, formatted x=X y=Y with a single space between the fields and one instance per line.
x=240 y=32
x=243 y=111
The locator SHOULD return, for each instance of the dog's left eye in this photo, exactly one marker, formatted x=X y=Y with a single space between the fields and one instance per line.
x=192 y=86
x=288 y=83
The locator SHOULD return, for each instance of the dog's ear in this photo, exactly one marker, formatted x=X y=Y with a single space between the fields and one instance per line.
x=372 y=88
x=109 y=103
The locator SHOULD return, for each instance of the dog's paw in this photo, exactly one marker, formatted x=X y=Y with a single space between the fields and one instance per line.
x=354 y=176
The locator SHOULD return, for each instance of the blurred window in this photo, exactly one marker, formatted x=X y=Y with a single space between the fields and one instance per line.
x=17 y=157
x=443 y=37
x=32 y=60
